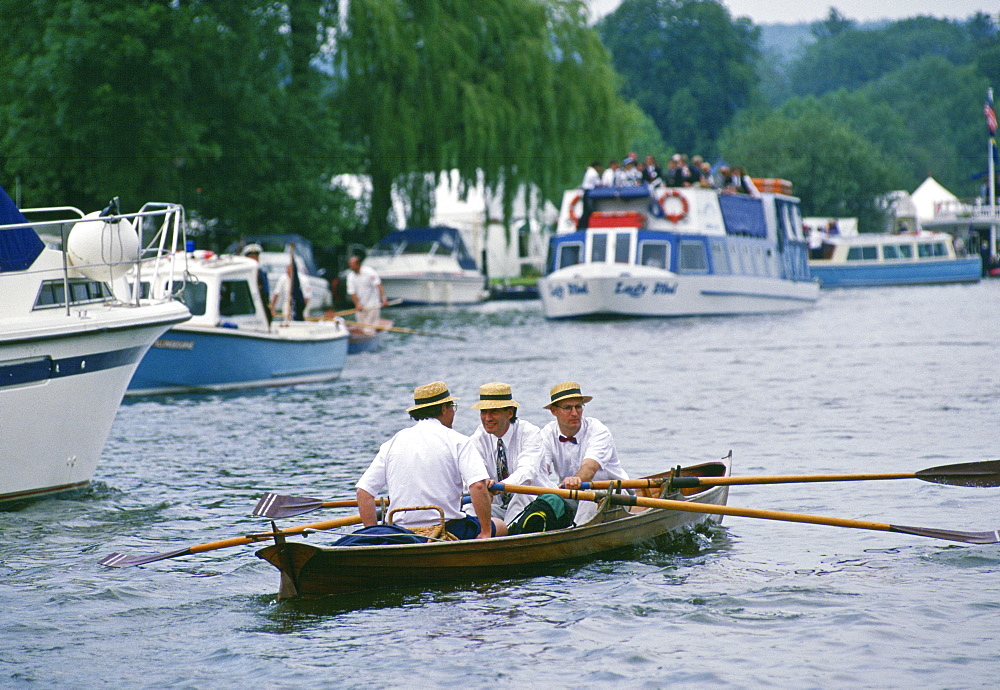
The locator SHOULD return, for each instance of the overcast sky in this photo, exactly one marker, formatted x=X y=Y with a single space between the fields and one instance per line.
x=795 y=11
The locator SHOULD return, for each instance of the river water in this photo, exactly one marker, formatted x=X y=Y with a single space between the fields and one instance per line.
x=879 y=380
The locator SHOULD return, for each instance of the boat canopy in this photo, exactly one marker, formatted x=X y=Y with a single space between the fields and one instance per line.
x=19 y=247
x=743 y=215
x=438 y=240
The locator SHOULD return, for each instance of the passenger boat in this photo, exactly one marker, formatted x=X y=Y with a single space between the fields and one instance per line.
x=365 y=338
x=229 y=344
x=72 y=333
x=662 y=251
x=870 y=259
x=311 y=569
x=427 y=266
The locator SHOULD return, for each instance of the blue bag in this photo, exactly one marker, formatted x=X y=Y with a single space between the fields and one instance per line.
x=380 y=535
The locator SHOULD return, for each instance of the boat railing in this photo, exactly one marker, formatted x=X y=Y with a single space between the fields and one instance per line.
x=162 y=223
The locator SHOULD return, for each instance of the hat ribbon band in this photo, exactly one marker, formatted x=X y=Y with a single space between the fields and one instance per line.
x=431 y=399
x=508 y=396
x=569 y=392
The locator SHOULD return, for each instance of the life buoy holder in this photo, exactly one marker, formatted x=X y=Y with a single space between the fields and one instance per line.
x=573 y=215
x=662 y=200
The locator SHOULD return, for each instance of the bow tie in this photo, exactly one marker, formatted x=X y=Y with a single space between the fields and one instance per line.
x=571 y=439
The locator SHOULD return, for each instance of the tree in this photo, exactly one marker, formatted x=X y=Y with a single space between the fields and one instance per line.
x=687 y=64
x=214 y=105
x=516 y=90
x=834 y=170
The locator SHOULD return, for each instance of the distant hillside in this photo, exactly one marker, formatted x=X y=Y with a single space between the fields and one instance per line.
x=785 y=40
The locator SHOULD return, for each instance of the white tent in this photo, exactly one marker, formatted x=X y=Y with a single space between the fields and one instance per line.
x=930 y=198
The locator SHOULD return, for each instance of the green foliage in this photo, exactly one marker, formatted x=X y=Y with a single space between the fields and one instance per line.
x=516 y=90
x=687 y=64
x=834 y=170
x=214 y=105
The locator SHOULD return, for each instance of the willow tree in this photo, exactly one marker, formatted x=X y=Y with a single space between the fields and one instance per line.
x=515 y=91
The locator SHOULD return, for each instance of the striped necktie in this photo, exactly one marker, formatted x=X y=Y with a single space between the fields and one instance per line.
x=502 y=471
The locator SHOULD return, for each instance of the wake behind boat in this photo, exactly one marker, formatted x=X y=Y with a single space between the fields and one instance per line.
x=228 y=344
x=665 y=251
x=72 y=334
x=311 y=570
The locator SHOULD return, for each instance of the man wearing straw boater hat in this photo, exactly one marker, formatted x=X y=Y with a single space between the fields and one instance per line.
x=430 y=464
x=579 y=449
x=512 y=448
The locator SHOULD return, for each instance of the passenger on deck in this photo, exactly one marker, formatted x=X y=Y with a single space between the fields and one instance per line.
x=652 y=173
x=612 y=174
x=630 y=175
x=292 y=293
x=695 y=176
x=592 y=176
x=512 y=448
x=430 y=463
x=263 y=287
x=741 y=182
x=816 y=237
x=365 y=289
x=578 y=448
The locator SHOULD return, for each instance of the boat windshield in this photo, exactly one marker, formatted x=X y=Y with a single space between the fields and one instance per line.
x=194 y=296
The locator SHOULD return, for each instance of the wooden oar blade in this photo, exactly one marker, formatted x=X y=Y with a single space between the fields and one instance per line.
x=950 y=535
x=120 y=560
x=273 y=505
x=981 y=474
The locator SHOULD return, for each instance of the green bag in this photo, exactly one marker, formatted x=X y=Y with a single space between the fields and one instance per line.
x=547 y=512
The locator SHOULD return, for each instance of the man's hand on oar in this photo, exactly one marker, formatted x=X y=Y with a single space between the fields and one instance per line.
x=273 y=505
x=712 y=509
x=120 y=560
x=981 y=474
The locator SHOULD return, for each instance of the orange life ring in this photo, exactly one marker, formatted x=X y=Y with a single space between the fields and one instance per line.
x=673 y=193
x=572 y=206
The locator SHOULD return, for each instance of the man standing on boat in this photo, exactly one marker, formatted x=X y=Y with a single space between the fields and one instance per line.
x=253 y=251
x=431 y=464
x=579 y=449
x=512 y=448
x=365 y=289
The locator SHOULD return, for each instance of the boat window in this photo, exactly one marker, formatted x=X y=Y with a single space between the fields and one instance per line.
x=862 y=253
x=692 y=257
x=655 y=254
x=622 y=245
x=734 y=259
x=924 y=250
x=906 y=251
x=569 y=254
x=720 y=259
x=194 y=296
x=81 y=291
x=598 y=248
x=235 y=298
x=940 y=249
x=890 y=251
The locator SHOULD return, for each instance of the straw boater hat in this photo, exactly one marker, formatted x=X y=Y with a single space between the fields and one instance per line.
x=493 y=396
x=569 y=389
x=430 y=394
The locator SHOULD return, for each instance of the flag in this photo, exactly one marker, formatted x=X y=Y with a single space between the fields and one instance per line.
x=991 y=117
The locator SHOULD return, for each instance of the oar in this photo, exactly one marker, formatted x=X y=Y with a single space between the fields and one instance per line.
x=120 y=560
x=397 y=329
x=273 y=505
x=983 y=474
x=694 y=507
x=348 y=312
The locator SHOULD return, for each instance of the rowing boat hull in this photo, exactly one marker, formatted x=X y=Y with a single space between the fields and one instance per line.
x=312 y=570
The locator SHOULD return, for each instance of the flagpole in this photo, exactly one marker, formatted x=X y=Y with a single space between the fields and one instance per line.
x=992 y=144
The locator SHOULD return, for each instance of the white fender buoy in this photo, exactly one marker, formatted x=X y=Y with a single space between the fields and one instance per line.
x=102 y=249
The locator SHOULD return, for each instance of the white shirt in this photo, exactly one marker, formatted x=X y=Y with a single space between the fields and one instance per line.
x=425 y=464
x=364 y=284
x=591 y=178
x=610 y=177
x=281 y=292
x=593 y=441
x=526 y=463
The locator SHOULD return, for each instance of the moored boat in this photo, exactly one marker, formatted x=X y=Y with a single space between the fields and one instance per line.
x=229 y=344
x=870 y=259
x=647 y=250
x=311 y=569
x=72 y=334
x=427 y=266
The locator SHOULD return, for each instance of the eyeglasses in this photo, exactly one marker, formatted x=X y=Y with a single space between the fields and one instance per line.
x=448 y=405
x=570 y=408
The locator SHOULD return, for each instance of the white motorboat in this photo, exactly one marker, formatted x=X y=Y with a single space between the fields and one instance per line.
x=428 y=266
x=72 y=334
x=229 y=343
x=664 y=251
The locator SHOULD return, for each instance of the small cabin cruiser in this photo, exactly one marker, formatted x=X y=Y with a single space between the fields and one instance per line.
x=427 y=266
x=870 y=259
x=643 y=250
x=230 y=343
x=72 y=333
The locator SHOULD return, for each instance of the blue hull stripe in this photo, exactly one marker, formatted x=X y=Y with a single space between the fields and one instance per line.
x=45 y=368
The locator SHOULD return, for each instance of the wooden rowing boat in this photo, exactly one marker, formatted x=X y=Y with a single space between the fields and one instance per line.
x=366 y=339
x=313 y=570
